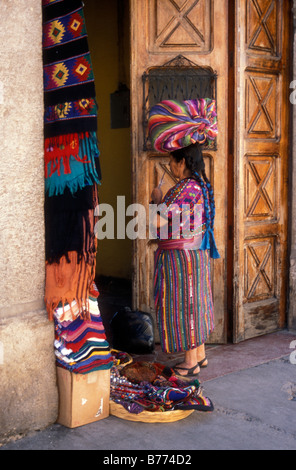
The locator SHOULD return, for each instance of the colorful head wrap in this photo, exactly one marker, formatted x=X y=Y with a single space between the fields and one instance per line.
x=174 y=124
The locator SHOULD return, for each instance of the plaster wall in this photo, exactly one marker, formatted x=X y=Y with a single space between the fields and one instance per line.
x=28 y=395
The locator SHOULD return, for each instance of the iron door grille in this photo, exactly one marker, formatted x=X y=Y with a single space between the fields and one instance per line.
x=179 y=79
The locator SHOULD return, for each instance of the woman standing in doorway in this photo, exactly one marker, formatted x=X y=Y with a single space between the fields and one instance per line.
x=182 y=280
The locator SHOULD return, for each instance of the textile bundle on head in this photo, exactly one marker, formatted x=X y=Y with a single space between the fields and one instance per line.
x=173 y=124
x=72 y=173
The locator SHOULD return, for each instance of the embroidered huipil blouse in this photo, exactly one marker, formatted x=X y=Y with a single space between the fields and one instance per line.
x=183 y=206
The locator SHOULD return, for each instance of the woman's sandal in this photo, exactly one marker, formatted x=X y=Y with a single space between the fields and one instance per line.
x=189 y=374
x=202 y=362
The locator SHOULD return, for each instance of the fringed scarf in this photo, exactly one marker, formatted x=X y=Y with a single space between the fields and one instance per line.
x=71 y=162
x=71 y=279
x=71 y=157
x=69 y=225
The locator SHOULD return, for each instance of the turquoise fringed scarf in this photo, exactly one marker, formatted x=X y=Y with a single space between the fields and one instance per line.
x=71 y=163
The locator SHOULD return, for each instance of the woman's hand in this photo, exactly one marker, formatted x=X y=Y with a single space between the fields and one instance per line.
x=156 y=196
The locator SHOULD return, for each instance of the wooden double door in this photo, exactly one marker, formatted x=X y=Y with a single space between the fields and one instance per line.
x=236 y=52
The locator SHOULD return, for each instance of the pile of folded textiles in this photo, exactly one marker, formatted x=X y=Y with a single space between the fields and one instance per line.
x=80 y=344
x=144 y=386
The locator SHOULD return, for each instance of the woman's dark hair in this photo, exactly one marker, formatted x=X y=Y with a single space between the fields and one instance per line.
x=193 y=157
x=195 y=163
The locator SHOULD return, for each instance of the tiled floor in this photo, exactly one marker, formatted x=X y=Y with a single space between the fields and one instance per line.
x=223 y=359
x=228 y=358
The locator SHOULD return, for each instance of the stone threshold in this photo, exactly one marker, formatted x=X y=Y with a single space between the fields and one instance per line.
x=228 y=358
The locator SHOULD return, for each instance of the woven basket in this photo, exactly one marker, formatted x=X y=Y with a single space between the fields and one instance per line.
x=129 y=359
x=148 y=416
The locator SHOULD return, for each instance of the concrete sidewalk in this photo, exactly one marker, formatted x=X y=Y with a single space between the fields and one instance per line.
x=253 y=388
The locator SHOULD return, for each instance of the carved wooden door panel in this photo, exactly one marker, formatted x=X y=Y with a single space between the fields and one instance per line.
x=168 y=38
x=261 y=166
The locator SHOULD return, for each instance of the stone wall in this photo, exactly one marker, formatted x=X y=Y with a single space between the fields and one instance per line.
x=28 y=394
x=292 y=296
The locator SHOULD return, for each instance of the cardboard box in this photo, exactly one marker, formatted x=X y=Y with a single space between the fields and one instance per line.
x=83 y=398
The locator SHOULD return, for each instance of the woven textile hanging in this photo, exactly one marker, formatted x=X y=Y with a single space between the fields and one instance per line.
x=70 y=118
x=72 y=173
x=71 y=154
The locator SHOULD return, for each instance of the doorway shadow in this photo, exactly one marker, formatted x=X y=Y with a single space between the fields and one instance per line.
x=114 y=294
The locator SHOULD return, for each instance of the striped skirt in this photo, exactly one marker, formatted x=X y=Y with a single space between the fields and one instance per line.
x=183 y=298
